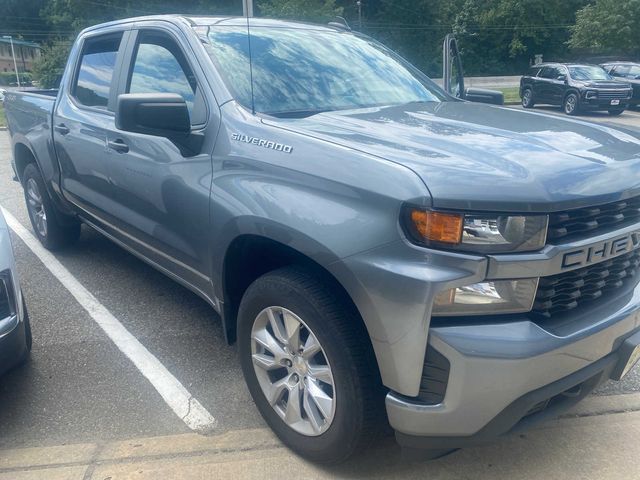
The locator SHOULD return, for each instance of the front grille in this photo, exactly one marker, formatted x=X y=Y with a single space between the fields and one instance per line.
x=592 y=219
x=578 y=288
x=612 y=94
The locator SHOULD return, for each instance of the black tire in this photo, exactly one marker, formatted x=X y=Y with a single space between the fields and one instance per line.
x=614 y=112
x=359 y=415
x=56 y=234
x=527 y=98
x=571 y=104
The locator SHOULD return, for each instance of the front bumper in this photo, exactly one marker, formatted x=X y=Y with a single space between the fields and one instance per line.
x=500 y=371
x=597 y=104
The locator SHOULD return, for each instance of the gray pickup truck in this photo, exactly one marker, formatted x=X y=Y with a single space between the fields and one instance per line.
x=380 y=250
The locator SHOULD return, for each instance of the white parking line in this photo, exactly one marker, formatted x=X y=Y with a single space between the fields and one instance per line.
x=184 y=405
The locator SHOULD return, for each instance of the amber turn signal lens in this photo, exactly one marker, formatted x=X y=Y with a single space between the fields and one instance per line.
x=438 y=227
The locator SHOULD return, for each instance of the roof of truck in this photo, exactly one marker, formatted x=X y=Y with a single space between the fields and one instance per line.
x=231 y=21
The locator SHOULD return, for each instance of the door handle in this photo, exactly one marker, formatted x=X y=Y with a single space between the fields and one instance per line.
x=62 y=129
x=118 y=146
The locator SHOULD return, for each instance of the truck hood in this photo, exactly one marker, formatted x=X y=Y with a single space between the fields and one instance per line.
x=483 y=157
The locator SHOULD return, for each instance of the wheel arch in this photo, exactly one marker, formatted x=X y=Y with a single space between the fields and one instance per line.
x=569 y=91
x=23 y=156
x=249 y=256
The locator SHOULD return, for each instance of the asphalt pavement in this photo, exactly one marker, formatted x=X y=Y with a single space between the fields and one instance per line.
x=80 y=388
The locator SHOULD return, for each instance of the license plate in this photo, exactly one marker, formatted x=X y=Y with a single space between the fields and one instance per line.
x=615 y=102
x=633 y=359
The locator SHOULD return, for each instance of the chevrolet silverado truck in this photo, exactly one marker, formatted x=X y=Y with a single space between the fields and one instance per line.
x=383 y=252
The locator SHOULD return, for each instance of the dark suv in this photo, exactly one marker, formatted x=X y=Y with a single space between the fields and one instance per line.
x=575 y=88
x=626 y=72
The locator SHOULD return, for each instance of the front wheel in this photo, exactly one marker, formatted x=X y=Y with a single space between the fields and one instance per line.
x=309 y=365
x=614 y=112
x=51 y=232
x=571 y=105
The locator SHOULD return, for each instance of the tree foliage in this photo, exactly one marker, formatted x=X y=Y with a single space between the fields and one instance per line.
x=496 y=36
x=309 y=10
x=608 y=26
x=49 y=67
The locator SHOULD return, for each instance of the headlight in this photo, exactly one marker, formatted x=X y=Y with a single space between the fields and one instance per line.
x=591 y=94
x=7 y=295
x=475 y=233
x=487 y=298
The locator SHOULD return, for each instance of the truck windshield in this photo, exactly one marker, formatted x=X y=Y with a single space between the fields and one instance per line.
x=589 y=72
x=299 y=72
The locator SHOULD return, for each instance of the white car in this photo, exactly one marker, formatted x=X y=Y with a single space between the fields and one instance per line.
x=2 y=92
x=15 y=331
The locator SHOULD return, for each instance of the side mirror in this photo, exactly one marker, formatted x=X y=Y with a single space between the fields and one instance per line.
x=161 y=115
x=562 y=78
x=452 y=76
x=482 y=95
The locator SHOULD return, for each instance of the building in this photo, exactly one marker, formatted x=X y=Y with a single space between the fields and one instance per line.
x=26 y=53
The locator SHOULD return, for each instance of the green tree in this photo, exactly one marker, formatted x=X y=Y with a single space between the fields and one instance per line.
x=48 y=68
x=309 y=10
x=502 y=36
x=608 y=25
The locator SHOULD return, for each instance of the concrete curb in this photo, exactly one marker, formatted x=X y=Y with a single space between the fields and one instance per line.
x=257 y=453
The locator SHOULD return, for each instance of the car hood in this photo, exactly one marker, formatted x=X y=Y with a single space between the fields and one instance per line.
x=483 y=157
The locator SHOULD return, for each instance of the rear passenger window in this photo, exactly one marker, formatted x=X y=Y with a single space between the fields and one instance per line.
x=97 y=63
x=533 y=71
x=550 y=72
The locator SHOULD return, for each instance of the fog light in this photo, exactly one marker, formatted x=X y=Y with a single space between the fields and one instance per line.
x=487 y=298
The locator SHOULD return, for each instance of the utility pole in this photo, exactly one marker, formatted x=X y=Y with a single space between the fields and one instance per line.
x=13 y=54
x=359 y=3
x=247 y=8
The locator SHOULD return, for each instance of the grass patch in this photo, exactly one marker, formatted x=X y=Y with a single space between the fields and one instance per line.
x=511 y=94
x=3 y=119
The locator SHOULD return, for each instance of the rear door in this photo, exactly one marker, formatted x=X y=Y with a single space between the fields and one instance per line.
x=83 y=119
x=549 y=89
x=163 y=195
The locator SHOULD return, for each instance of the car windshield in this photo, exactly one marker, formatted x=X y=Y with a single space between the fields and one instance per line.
x=302 y=71
x=589 y=72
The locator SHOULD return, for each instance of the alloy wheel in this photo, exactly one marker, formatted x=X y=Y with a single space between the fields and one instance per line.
x=570 y=104
x=36 y=207
x=293 y=371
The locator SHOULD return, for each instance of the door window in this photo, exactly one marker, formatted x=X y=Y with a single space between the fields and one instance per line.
x=97 y=63
x=550 y=72
x=160 y=67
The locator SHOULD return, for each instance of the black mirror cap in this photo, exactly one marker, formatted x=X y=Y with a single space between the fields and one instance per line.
x=481 y=95
x=159 y=114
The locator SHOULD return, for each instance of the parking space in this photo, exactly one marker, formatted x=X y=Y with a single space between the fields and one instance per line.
x=79 y=386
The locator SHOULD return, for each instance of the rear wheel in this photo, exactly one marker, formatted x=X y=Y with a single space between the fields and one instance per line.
x=309 y=366
x=616 y=111
x=527 y=98
x=51 y=232
x=571 y=104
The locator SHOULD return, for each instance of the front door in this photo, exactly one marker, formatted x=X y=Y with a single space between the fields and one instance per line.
x=162 y=194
